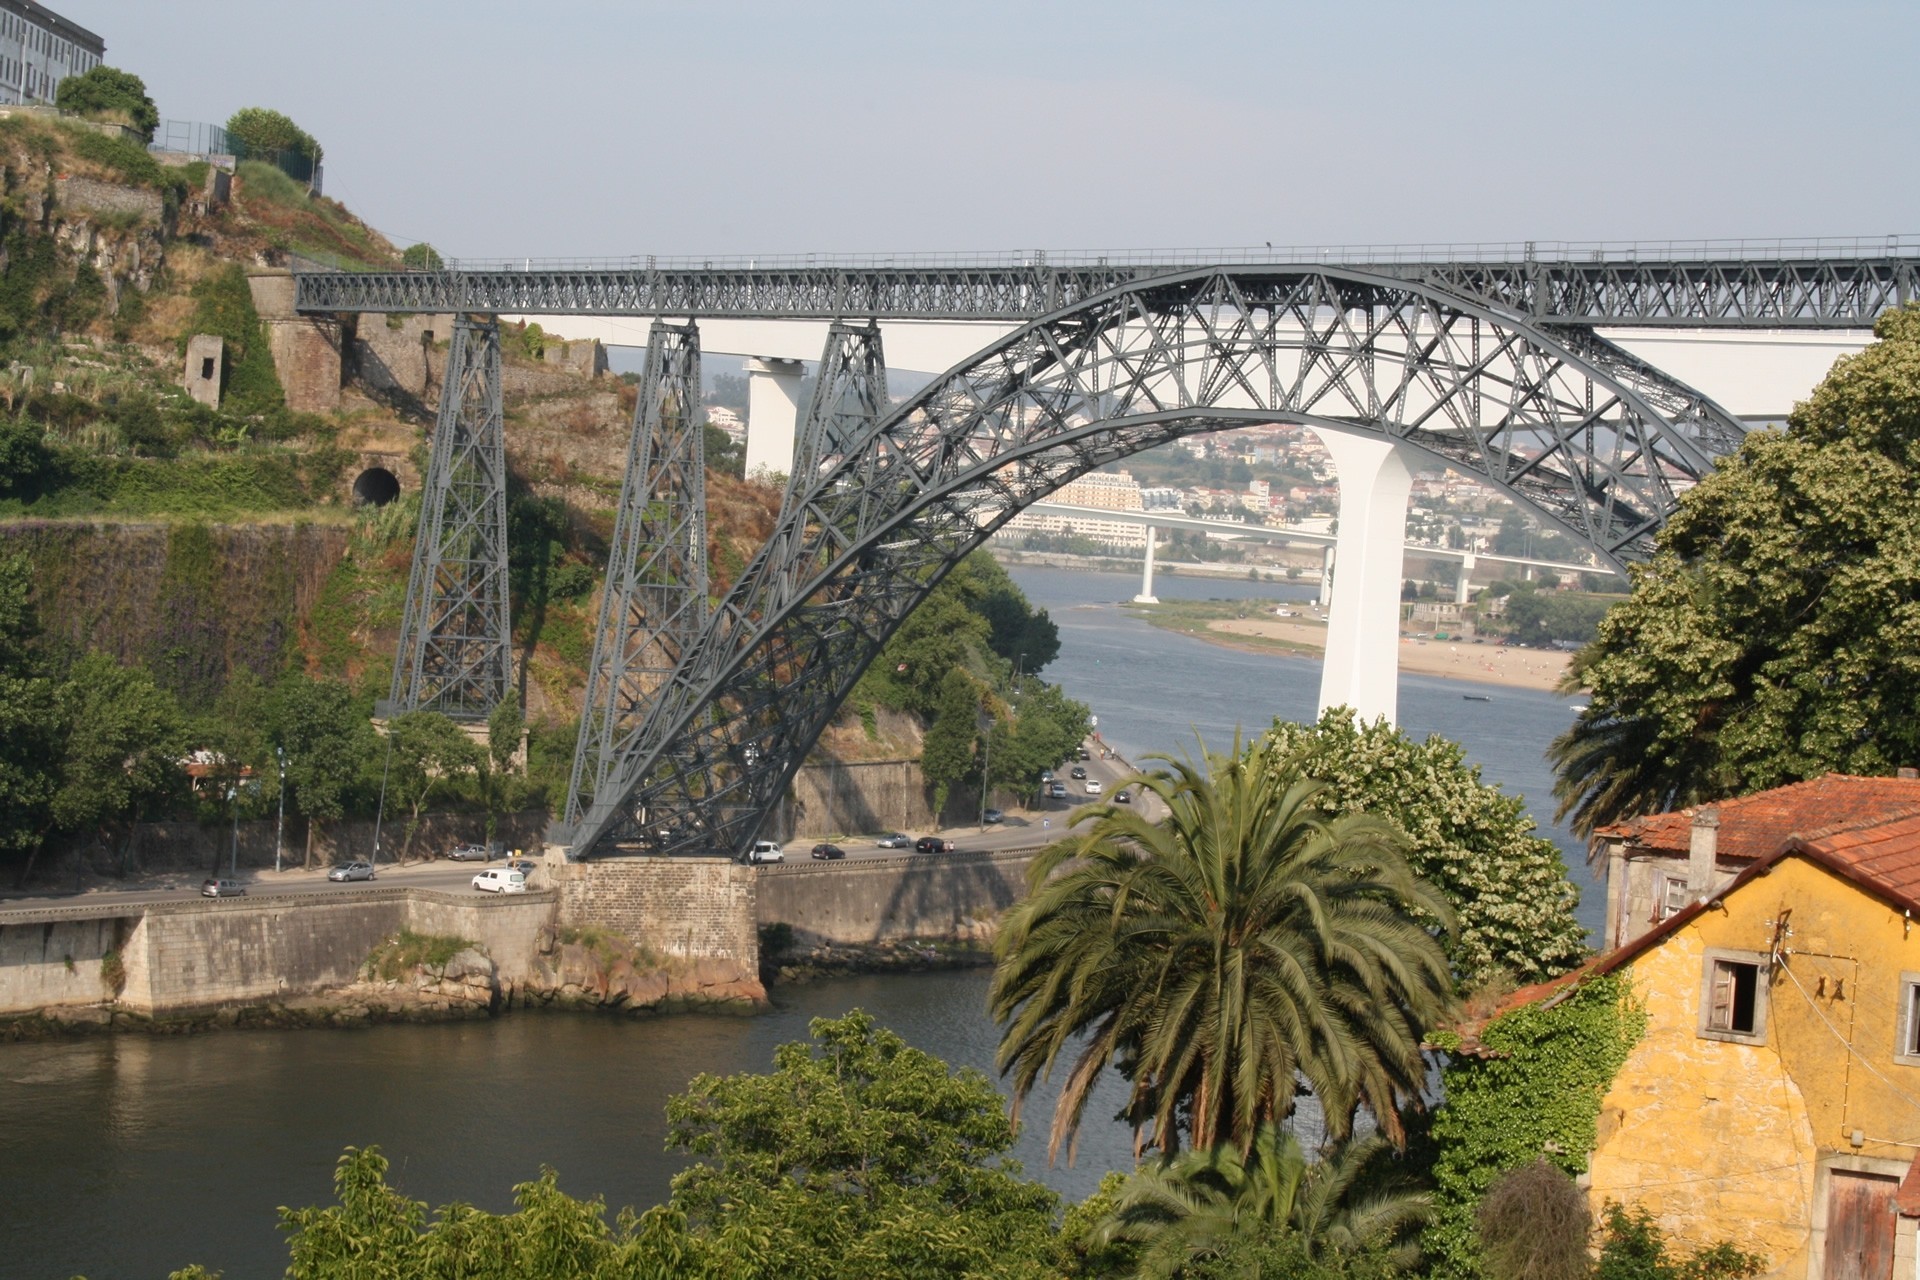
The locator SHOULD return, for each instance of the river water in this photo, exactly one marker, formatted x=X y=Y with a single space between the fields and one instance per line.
x=128 y=1156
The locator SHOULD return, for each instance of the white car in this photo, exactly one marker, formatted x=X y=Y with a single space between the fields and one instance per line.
x=501 y=880
x=766 y=851
x=1093 y=786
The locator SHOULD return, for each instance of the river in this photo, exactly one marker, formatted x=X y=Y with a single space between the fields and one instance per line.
x=128 y=1156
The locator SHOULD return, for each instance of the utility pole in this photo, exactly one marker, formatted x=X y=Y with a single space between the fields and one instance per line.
x=986 y=756
x=280 y=827
x=233 y=857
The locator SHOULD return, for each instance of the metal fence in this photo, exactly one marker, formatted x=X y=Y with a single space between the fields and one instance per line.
x=196 y=138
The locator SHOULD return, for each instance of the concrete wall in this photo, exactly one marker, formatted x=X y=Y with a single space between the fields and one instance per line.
x=202 y=954
x=908 y=896
x=691 y=908
x=842 y=799
x=92 y=196
x=50 y=963
x=306 y=349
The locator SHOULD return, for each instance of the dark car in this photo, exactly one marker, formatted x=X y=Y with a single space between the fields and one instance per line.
x=932 y=844
x=894 y=840
x=468 y=853
x=1077 y=774
x=524 y=866
x=1121 y=797
x=352 y=871
x=1084 y=754
x=1046 y=775
x=824 y=850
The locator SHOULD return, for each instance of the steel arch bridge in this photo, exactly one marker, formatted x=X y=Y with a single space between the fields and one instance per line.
x=1594 y=440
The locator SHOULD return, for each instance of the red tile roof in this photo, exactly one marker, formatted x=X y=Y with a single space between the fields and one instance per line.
x=1754 y=826
x=1882 y=855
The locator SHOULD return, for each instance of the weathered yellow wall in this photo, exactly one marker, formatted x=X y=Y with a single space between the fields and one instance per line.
x=1721 y=1140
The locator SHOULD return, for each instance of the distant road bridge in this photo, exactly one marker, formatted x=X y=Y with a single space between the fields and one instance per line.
x=1498 y=362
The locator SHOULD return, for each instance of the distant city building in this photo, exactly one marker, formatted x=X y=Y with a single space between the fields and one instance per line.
x=727 y=420
x=1108 y=490
x=1161 y=499
x=39 y=49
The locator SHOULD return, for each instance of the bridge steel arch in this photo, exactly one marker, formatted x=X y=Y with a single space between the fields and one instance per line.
x=1595 y=441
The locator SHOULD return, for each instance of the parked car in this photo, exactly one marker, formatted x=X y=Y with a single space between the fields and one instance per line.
x=1093 y=786
x=1078 y=773
x=1046 y=775
x=932 y=844
x=1122 y=797
x=352 y=871
x=501 y=880
x=469 y=853
x=766 y=851
x=1056 y=790
x=221 y=889
x=825 y=851
x=994 y=815
x=1084 y=754
x=894 y=840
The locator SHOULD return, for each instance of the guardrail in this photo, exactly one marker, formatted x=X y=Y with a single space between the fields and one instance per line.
x=15 y=915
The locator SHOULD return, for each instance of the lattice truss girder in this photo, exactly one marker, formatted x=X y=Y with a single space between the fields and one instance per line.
x=455 y=653
x=1570 y=433
x=1838 y=292
x=655 y=603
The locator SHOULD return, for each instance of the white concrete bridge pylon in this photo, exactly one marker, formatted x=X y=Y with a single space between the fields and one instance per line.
x=1146 y=595
x=1362 y=665
x=773 y=410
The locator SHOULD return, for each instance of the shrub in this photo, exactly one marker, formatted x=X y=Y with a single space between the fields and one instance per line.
x=421 y=257
x=1632 y=1247
x=407 y=950
x=1534 y=1225
x=264 y=133
x=127 y=159
x=224 y=306
x=108 y=93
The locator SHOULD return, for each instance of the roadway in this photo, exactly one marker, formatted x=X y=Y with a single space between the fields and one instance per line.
x=1021 y=829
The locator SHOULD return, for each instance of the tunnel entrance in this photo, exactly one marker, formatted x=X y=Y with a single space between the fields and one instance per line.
x=375 y=487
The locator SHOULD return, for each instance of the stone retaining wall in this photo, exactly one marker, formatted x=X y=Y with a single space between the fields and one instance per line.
x=688 y=908
x=957 y=895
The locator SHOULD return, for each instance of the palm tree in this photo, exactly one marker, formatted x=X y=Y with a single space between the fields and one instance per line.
x=1244 y=944
x=1194 y=1203
x=1610 y=767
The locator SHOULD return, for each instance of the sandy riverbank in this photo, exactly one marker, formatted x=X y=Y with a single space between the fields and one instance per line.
x=1483 y=663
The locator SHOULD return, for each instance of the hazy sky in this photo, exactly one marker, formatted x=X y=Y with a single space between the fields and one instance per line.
x=621 y=127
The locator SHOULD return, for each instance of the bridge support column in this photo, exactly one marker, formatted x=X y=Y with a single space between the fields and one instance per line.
x=1146 y=595
x=1326 y=577
x=455 y=654
x=773 y=408
x=1362 y=666
x=1463 y=589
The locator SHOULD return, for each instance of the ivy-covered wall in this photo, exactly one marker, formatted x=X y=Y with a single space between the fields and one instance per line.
x=1539 y=1095
x=193 y=602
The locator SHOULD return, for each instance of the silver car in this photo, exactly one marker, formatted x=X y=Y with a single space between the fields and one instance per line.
x=351 y=871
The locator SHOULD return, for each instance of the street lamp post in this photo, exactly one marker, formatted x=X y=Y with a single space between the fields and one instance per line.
x=233 y=856
x=280 y=826
x=986 y=757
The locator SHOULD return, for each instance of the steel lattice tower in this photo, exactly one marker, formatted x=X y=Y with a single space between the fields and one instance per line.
x=655 y=603
x=848 y=399
x=455 y=654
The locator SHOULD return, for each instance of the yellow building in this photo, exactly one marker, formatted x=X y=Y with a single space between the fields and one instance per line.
x=1774 y=1100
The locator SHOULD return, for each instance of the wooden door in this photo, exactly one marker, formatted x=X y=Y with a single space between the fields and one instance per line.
x=1860 y=1224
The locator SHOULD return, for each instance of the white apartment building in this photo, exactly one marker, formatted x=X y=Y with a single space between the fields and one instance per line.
x=1108 y=490
x=39 y=49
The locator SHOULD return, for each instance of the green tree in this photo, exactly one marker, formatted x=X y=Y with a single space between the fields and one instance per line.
x=1193 y=1205
x=943 y=634
x=946 y=753
x=263 y=134
x=330 y=746
x=859 y=1156
x=422 y=257
x=29 y=719
x=1245 y=942
x=122 y=738
x=223 y=306
x=1044 y=728
x=427 y=749
x=1508 y=888
x=1775 y=634
x=107 y=93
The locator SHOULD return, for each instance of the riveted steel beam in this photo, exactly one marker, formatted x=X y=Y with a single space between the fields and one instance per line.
x=1577 y=431
x=455 y=654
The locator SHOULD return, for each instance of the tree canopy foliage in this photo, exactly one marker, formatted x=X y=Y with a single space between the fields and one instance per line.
x=108 y=93
x=1508 y=888
x=1216 y=957
x=1775 y=634
x=265 y=133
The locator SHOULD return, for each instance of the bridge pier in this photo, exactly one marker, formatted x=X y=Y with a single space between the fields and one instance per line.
x=773 y=410
x=1146 y=595
x=1362 y=665
x=1463 y=589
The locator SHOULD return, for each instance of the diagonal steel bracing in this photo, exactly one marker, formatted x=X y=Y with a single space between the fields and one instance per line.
x=848 y=398
x=1592 y=440
x=655 y=602
x=455 y=654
